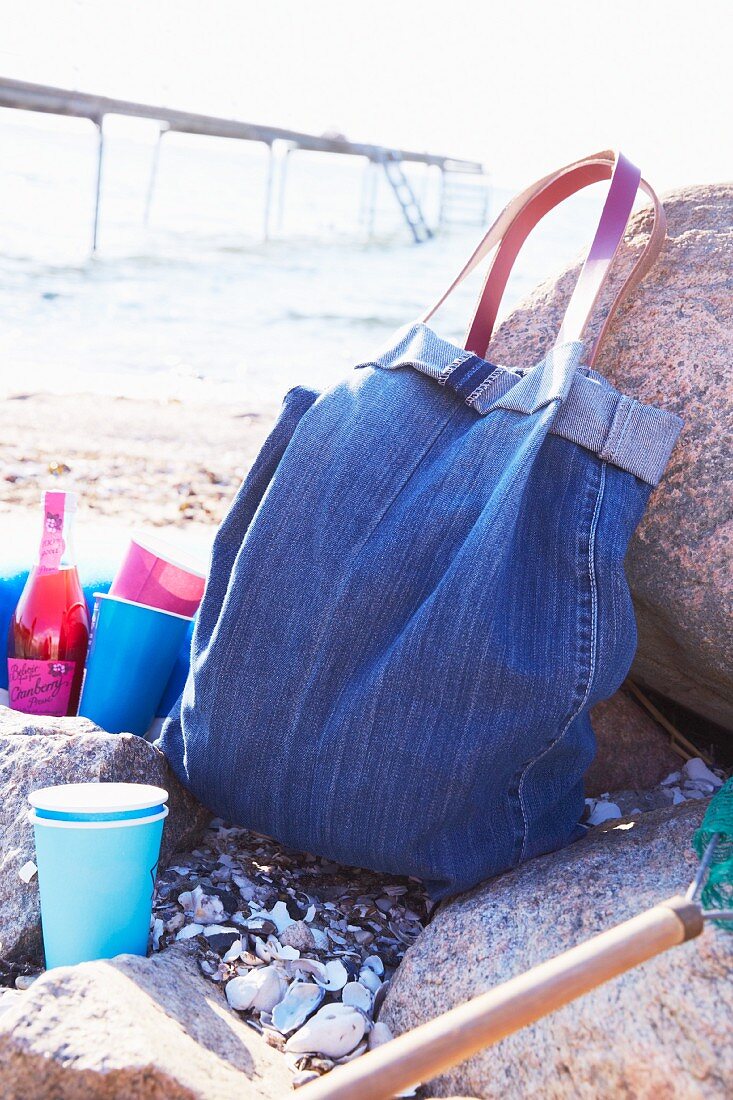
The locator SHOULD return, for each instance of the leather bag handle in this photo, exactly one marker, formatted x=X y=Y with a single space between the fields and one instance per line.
x=522 y=214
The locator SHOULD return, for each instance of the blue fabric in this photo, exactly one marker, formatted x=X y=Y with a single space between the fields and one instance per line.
x=96 y=575
x=411 y=608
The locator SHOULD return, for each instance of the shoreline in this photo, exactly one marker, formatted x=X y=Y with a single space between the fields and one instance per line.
x=151 y=462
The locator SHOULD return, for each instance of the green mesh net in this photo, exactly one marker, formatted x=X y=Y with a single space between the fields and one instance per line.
x=718 y=890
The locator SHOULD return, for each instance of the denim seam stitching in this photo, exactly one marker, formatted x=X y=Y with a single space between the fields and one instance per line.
x=617 y=430
x=448 y=371
x=592 y=665
x=484 y=387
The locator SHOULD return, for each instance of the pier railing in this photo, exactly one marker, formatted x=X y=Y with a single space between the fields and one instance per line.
x=25 y=96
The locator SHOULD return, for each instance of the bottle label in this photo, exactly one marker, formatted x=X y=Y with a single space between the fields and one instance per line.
x=40 y=687
x=52 y=540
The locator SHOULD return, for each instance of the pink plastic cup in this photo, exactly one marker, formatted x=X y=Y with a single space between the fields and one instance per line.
x=159 y=576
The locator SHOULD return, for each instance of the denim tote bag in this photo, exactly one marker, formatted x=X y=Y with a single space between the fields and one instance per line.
x=418 y=593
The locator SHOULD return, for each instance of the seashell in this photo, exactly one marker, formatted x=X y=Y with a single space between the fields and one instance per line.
x=203 y=908
x=158 y=930
x=249 y=959
x=697 y=771
x=368 y=978
x=375 y=963
x=176 y=923
x=379 y=997
x=379 y=1034
x=334 y=1031
x=300 y=1001
x=356 y=995
x=603 y=811
x=222 y=941
x=260 y=989
x=190 y=931
x=336 y=976
x=288 y=954
x=355 y=1053
x=310 y=914
x=313 y=967
x=234 y=952
x=279 y=916
x=260 y=926
x=268 y=949
x=321 y=939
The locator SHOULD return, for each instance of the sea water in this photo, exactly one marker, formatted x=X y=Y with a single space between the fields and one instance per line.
x=195 y=304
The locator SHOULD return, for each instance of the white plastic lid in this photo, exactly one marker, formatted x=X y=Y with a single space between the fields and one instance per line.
x=97 y=798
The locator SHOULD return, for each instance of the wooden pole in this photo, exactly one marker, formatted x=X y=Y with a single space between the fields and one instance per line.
x=421 y=1054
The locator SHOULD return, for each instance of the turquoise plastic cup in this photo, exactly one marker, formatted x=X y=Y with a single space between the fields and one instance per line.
x=97 y=851
x=132 y=651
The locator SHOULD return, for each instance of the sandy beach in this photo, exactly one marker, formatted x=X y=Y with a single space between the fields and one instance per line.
x=159 y=463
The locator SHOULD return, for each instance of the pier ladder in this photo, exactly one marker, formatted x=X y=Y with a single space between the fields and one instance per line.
x=400 y=184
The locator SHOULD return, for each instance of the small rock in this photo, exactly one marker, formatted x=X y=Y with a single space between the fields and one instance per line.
x=379 y=1034
x=298 y=935
x=152 y=1029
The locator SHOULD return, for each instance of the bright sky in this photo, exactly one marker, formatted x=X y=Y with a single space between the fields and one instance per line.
x=525 y=85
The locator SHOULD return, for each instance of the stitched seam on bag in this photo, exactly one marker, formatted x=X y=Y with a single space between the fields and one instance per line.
x=448 y=371
x=617 y=431
x=486 y=385
x=592 y=663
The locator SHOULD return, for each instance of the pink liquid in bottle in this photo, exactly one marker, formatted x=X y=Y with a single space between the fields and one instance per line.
x=49 y=630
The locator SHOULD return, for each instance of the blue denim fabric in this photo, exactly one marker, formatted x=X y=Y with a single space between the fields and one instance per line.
x=414 y=601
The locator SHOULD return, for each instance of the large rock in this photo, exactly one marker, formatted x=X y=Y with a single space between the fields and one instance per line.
x=38 y=752
x=661 y=1030
x=152 y=1029
x=671 y=345
x=633 y=752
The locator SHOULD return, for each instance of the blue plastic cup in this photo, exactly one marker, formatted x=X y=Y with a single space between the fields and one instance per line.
x=97 y=850
x=132 y=652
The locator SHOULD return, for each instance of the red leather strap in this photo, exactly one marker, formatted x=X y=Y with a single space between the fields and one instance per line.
x=517 y=220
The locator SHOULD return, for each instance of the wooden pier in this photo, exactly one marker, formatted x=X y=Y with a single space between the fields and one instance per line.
x=59 y=101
